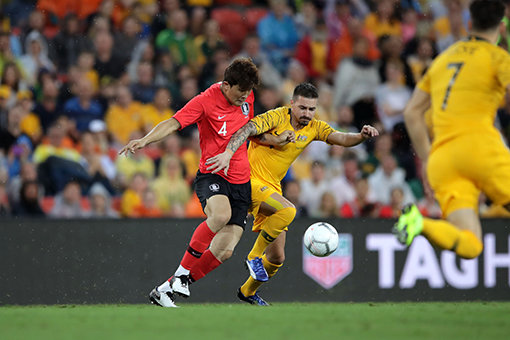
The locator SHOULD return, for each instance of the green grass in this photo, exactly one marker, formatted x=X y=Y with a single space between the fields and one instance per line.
x=311 y=321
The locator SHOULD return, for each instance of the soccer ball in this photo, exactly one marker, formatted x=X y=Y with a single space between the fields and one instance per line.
x=321 y=239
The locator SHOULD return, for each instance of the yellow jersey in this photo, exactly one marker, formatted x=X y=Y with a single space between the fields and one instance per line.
x=467 y=84
x=270 y=164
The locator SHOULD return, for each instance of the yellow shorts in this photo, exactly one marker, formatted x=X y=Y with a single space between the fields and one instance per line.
x=459 y=170
x=260 y=192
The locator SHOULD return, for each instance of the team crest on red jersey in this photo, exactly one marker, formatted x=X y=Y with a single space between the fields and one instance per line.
x=245 y=108
x=330 y=270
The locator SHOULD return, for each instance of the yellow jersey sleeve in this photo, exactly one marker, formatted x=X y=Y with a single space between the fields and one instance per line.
x=501 y=62
x=270 y=119
x=323 y=131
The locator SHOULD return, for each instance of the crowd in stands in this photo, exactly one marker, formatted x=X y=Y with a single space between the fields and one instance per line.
x=79 y=79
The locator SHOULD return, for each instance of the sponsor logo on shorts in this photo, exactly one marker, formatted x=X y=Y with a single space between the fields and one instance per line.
x=264 y=188
x=301 y=138
x=215 y=187
x=245 y=108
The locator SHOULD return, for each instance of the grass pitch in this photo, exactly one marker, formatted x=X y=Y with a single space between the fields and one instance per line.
x=468 y=320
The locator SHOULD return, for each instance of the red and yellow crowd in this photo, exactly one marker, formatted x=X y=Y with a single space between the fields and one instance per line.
x=79 y=79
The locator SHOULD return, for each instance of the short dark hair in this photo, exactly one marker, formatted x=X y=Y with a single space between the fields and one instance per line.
x=242 y=72
x=486 y=14
x=305 y=90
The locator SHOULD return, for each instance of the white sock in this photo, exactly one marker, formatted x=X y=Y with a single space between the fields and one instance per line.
x=181 y=271
x=165 y=287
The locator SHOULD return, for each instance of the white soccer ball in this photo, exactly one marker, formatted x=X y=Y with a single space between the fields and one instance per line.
x=321 y=239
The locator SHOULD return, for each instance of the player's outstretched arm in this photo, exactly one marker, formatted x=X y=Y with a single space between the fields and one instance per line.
x=159 y=132
x=222 y=160
x=352 y=139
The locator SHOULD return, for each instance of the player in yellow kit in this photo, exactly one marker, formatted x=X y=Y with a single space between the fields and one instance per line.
x=465 y=85
x=269 y=164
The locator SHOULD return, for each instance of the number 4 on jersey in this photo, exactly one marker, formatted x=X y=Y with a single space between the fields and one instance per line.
x=223 y=130
x=457 y=67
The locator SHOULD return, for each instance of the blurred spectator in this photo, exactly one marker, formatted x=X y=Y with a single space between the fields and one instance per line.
x=325 y=110
x=209 y=41
x=339 y=13
x=159 y=23
x=85 y=66
x=137 y=163
x=296 y=74
x=383 y=145
x=278 y=35
x=36 y=23
x=100 y=24
x=251 y=49
x=83 y=108
x=132 y=196
x=194 y=208
x=315 y=52
x=28 y=205
x=392 y=52
x=361 y=205
x=178 y=41
x=356 y=80
x=210 y=70
x=143 y=53
x=12 y=78
x=35 y=58
x=343 y=46
x=267 y=99
x=68 y=203
x=68 y=43
x=391 y=97
x=422 y=59
x=386 y=177
x=109 y=62
x=292 y=192
x=451 y=27
x=190 y=156
x=100 y=202
x=27 y=173
x=128 y=36
x=6 y=52
x=328 y=206
x=384 y=20
x=57 y=163
x=143 y=89
x=313 y=188
x=12 y=131
x=99 y=166
x=344 y=187
x=48 y=107
x=149 y=206
x=157 y=111
x=393 y=209
x=188 y=90
x=164 y=72
x=124 y=117
x=172 y=191
x=409 y=24
x=30 y=123
x=19 y=153
x=5 y=93
x=306 y=18
x=345 y=123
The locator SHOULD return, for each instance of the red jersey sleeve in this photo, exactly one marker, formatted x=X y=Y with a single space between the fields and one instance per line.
x=191 y=113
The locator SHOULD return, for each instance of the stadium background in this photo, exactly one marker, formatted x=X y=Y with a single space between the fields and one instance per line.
x=81 y=78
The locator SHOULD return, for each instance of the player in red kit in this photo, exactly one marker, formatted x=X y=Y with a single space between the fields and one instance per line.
x=219 y=112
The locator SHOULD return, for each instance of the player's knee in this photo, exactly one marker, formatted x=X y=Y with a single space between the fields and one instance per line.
x=225 y=255
x=219 y=218
x=287 y=214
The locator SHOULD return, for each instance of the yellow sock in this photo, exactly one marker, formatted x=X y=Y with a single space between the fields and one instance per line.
x=271 y=229
x=251 y=286
x=445 y=235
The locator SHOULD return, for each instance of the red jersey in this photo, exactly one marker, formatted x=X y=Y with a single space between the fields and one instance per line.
x=217 y=121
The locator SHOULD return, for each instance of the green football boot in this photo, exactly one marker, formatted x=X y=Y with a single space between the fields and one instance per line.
x=409 y=225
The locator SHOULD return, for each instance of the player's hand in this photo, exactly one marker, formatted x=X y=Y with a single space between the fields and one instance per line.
x=287 y=136
x=368 y=132
x=132 y=146
x=219 y=162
